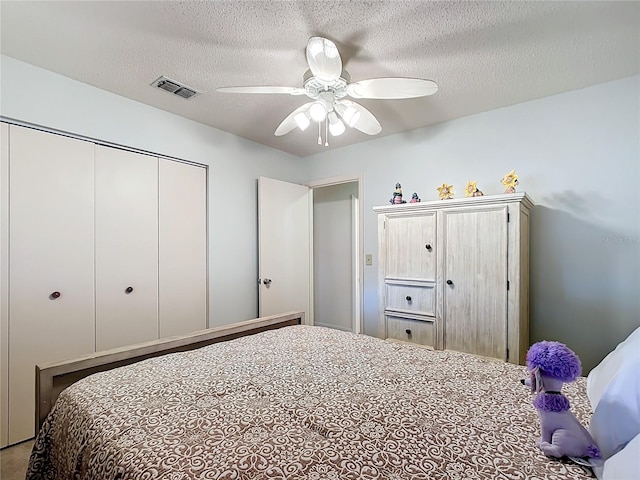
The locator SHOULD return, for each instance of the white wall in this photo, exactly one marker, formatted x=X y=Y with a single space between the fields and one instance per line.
x=33 y=95
x=578 y=156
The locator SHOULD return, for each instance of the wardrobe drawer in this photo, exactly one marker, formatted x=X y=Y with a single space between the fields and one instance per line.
x=411 y=298
x=421 y=332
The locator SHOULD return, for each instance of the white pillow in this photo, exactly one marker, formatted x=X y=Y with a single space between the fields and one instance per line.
x=613 y=388
x=600 y=376
x=624 y=465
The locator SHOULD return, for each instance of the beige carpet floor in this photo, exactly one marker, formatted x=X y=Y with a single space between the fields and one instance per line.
x=14 y=461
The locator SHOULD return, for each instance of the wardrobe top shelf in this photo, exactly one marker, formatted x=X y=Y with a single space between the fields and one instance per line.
x=518 y=197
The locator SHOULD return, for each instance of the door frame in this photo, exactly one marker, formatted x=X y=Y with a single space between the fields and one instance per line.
x=358 y=297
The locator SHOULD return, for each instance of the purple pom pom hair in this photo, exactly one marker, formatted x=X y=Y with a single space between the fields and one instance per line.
x=555 y=360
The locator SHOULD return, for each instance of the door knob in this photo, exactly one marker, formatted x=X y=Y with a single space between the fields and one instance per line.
x=449 y=282
x=408 y=330
x=408 y=297
x=428 y=246
x=55 y=295
x=128 y=290
x=266 y=281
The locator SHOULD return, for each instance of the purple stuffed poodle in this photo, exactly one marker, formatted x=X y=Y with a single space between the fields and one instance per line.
x=551 y=364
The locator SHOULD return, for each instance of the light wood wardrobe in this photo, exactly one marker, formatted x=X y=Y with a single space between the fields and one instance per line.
x=102 y=248
x=454 y=274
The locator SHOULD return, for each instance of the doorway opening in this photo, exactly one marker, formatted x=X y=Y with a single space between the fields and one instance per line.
x=336 y=245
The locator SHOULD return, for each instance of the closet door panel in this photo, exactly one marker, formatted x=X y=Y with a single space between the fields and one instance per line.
x=475 y=264
x=183 y=248
x=126 y=248
x=51 y=241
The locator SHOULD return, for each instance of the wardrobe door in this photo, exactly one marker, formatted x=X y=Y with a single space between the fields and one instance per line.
x=126 y=248
x=51 y=299
x=183 y=248
x=411 y=241
x=475 y=281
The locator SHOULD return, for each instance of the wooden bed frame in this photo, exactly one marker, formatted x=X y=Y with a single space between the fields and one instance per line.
x=52 y=378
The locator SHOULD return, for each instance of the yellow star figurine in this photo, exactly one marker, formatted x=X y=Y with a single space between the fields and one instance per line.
x=445 y=191
x=472 y=189
x=510 y=181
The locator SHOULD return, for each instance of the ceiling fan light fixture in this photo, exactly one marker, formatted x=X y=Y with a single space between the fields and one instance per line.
x=318 y=111
x=302 y=120
x=336 y=127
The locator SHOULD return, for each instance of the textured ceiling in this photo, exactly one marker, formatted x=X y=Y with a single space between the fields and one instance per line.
x=483 y=55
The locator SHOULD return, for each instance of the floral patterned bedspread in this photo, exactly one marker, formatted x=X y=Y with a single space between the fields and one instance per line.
x=302 y=403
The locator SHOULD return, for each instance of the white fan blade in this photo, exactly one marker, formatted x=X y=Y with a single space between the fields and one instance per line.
x=367 y=123
x=392 y=88
x=289 y=123
x=262 y=89
x=324 y=59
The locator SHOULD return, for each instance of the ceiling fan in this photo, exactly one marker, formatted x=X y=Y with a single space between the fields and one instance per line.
x=327 y=84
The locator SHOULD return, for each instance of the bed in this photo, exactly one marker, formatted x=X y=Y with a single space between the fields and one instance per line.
x=301 y=402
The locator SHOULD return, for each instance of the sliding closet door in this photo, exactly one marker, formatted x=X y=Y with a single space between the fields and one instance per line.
x=126 y=248
x=183 y=248
x=51 y=261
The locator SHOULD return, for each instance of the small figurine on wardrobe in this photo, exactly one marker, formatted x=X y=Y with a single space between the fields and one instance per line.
x=397 y=195
x=510 y=181
x=472 y=190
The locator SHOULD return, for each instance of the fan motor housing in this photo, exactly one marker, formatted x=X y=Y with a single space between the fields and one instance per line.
x=314 y=87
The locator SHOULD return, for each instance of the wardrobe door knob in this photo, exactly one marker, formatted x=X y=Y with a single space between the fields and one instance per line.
x=449 y=282
x=55 y=295
x=428 y=246
x=128 y=290
x=408 y=330
x=408 y=298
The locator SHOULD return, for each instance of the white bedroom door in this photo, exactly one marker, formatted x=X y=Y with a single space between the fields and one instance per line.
x=284 y=247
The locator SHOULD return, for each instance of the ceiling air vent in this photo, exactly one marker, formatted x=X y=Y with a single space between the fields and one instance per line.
x=174 y=87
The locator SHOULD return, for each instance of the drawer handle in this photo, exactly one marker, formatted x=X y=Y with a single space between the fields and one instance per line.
x=128 y=290
x=408 y=330
x=449 y=282
x=55 y=295
x=408 y=298
x=428 y=246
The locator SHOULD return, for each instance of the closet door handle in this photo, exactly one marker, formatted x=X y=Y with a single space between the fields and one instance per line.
x=408 y=297
x=128 y=290
x=54 y=295
x=408 y=330
x=428 y=246
x=449 y=282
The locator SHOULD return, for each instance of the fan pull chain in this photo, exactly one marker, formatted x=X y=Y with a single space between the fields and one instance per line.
x=326 y=132
x=319 y=139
